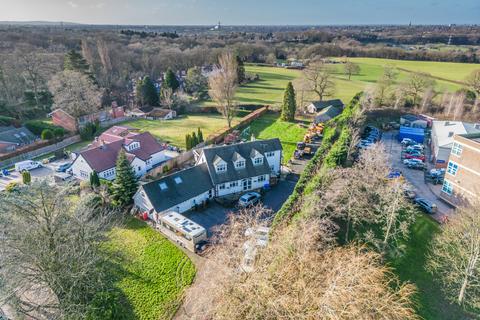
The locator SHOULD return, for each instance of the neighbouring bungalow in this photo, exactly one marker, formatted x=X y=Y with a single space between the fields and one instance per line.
x=318 y=106
x=63 y=119
x=220 y=171
x=11 y=138
x=327 y=114
x=153 y=113
x=143 y=151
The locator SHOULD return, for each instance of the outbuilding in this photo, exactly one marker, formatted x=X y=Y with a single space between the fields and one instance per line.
x=417 y=134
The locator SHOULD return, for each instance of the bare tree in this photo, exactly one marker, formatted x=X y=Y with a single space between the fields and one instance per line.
x=427 y=99
x=319 y=77
x=350 y=69
x=75 y=93
x=459 y=105
x=300 y=274
x=167 y=97
x=417 y=84
x=455 y=256
x=223 y=85
x=473 y=82
x=51 y=266
x=301 y=88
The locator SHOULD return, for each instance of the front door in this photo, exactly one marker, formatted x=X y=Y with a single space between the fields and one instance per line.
x=247 y=184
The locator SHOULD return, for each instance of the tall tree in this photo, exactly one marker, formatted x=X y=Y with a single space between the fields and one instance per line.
x=195 y=82
x=200 y=135
x=188 y=141
x=455 y=256
x=125 y=184
x=289 y=106
x=223 y=85
x=319 y=76
x=26 y=177
x=240 y=70
x=75 y=93
x=350 y=69
x=52 y=263
x=171 y=80
x=146 y=93
x=74 y=61
x=94 y=179
x=167 y=97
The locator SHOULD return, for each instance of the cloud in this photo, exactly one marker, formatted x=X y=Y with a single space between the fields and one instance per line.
x=72 y=4
x=99 y=5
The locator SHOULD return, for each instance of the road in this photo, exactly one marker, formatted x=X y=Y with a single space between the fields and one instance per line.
x=416 y=177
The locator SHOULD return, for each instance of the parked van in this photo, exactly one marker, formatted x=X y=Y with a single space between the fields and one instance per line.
x=27 y=165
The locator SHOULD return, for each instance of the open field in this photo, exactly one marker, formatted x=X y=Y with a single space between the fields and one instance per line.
x=269 y=89
x=270 y=126
x=411 y=267
x=151 y=272
x=174 y=131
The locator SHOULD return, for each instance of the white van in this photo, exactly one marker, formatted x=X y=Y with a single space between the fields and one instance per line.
x=27 y=165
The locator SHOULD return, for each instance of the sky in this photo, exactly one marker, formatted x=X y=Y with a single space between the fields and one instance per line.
x=243 y=12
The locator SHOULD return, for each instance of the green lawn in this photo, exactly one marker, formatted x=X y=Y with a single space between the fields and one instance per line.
x=432 y=305
x=151 y=273
x=174 y=131
x=270 y=126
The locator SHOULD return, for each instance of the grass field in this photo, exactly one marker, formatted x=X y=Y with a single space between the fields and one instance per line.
x=270 y=126
x=269 y=89
x=151 y=273
x=174 y=131
x=432 y=305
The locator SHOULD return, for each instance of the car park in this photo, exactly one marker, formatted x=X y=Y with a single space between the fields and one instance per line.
x=426 y=205
x=249 y=199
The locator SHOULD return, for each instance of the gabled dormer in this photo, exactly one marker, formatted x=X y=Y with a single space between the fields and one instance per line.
x=134 y=145
x=257 y=157
x=238 y=161
x=219 y=164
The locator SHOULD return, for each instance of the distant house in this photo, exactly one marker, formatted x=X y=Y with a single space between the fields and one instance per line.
x=68 y=122
x=318 y=106
x=327 y=114
x=443 y=133
x=143 y=151
x=11 y=138
x=162 y=114
x=219 y=171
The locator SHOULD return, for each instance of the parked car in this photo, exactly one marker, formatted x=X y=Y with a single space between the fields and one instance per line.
x=202 y=247
x=27 y=165
x=395 y=174
x=408 y=142
x=410 y=194
x=249 y=199
x=427 y=205
x=62 y=167
x=414 y=156
x=417 y=147
x=414 y=164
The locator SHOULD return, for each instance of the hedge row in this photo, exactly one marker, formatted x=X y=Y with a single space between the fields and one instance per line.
x=333 y=151
x=38 y=126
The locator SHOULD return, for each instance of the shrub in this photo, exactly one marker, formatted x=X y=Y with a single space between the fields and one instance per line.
x=88 y=132
x=58 y=132
x=47 y=134
x=26 y=177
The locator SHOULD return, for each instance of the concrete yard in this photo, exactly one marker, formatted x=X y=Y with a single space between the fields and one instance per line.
x=416 y=177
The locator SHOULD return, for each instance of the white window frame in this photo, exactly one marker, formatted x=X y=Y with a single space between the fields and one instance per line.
x=452 y=168
x=270 y=154
x=221 y=186
x=240 y=164
x=457 y=149
x=258 y=161
x=221 y=167
x=447 y=187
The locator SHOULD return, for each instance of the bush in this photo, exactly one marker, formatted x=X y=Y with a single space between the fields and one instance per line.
x=37 y=127
x=47 y=134
x=26 y=177
x=8 y=121
x=58 y=132
x=88 y=132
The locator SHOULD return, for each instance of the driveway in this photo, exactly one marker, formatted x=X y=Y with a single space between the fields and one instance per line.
x=15 y=176
x=416 y=177
x=215 y=215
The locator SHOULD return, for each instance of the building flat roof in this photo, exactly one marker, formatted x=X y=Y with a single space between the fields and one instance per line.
x=182 y=223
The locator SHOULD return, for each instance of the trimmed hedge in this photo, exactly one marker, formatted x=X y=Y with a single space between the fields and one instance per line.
x=38 y=126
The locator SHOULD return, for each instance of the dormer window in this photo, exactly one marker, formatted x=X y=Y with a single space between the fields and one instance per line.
x=240 y=164
x=221 y=167
x=133 y=146
x=258 y=161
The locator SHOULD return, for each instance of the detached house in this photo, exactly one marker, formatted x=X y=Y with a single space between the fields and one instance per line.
x=142 y=150
x=219 y=171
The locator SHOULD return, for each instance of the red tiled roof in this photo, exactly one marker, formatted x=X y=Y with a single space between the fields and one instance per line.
x=103 y=153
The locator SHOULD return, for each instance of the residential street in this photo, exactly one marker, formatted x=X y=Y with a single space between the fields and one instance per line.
x=416 y=177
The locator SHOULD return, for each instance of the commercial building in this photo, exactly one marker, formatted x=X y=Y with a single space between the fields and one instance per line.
x=443 y=133
x=462 y=177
